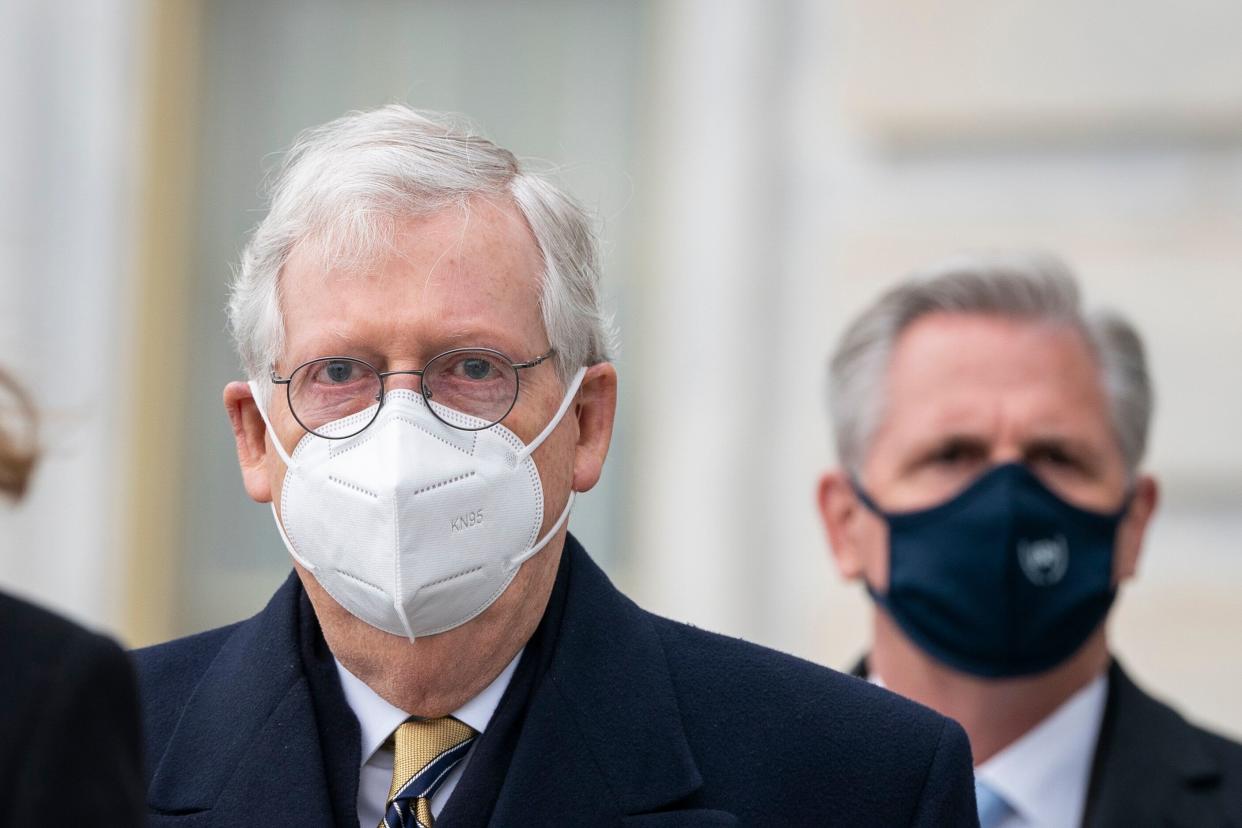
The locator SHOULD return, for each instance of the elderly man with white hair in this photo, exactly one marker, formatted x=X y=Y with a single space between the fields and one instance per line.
x=428 y=389
x=990 y=499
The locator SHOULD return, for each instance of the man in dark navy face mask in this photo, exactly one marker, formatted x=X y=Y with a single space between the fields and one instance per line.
x=991 y=503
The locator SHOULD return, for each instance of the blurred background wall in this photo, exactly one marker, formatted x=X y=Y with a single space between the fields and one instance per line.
x=761 y=169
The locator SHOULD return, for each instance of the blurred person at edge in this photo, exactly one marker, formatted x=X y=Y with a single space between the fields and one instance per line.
x=438 y=607
x=990 y=499
x=69 y=737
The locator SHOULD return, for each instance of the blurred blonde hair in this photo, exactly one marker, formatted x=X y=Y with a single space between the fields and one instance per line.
x=17 y=441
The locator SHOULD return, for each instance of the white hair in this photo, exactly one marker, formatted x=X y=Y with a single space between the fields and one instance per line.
x=343 y=187
x=1034 y=286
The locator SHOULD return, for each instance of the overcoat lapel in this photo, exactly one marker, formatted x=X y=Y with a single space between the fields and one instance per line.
x=1150 y=767
x=603 y=741
x=246 y=749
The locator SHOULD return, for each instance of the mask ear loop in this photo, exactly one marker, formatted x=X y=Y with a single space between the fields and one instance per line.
x=864 y=498
x=574 y=385
x=254 y=390
x=873 y=507
x=518 y=560
x=1127 y=500
x=289 y=464
x=280 y=527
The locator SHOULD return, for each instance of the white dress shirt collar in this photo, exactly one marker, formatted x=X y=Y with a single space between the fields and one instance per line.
x=1044 y=774
x=377 y=718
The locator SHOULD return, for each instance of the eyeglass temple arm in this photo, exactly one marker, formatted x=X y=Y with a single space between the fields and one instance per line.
x=537 y=360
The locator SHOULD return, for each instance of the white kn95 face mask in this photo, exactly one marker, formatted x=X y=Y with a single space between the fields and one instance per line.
x=412 y=525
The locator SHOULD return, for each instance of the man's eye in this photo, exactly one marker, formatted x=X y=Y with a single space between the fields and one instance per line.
x=952 y=455
x=476 y=369
x=1053 y=456
x=338 y=372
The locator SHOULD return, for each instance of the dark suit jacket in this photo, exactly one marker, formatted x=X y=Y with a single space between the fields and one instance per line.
x=68 y=724
x=638 y=721
x=1153 y=768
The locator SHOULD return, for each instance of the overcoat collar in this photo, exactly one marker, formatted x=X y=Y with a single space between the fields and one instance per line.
x=602 y=743
x=247 y=749
x=603 y=737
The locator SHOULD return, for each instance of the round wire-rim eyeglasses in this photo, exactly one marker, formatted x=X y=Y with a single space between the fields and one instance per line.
x=425 y=389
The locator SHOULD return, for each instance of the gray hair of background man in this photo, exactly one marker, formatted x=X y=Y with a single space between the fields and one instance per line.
x=344 y=186
x=1030 y=286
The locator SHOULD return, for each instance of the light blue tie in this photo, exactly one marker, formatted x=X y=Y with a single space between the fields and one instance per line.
x=992 y=807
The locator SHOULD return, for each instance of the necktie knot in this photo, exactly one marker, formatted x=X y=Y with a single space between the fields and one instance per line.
x=424 y=751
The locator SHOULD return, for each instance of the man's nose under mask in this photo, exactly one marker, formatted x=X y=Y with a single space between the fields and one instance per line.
x=411 y=525
x=1004 y=579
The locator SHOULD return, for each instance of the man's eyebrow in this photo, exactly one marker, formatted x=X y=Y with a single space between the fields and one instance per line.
x=328 y=341
x=1081 y=450
x=335 y=337
x=952 y=438
x=467 y=335
x=924 y=450
x=476 y=338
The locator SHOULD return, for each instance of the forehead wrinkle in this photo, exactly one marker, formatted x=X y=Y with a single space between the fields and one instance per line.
x=329 y=341
x=404 y=246
x=466 y=207
x=339 y=335
x=506 y=216
x=457 y=244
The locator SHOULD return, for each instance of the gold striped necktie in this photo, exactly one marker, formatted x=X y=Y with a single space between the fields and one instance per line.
x=424 y=751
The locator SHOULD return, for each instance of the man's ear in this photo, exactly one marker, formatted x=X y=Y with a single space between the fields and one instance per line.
x=595 y=410
x=1134 y=527
x=839 y=508
x=250 y=434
